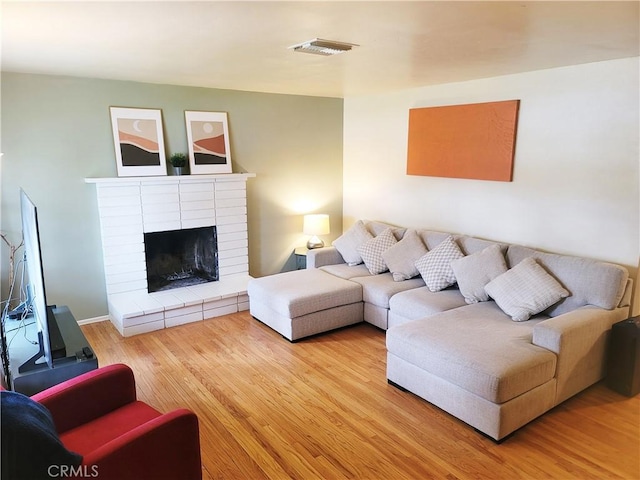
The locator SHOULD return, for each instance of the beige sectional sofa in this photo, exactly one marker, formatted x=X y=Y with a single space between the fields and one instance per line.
x=494 y=334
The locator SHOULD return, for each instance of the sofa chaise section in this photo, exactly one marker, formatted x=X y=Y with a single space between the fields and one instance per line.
x=305 y=302
x=475 y=363
x=497 y=374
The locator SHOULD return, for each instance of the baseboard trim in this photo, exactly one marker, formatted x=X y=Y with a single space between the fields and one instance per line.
x=87 y=321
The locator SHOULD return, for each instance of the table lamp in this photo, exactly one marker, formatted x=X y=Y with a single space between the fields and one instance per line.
x=314 y=225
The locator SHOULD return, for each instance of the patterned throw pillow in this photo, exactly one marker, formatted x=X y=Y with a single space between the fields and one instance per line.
x=372 y=250
x=525 y=290
x=435 y=265
x=347 y=244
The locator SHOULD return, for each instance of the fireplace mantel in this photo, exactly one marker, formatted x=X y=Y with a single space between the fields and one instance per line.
x=129 y=207
x=224 y=177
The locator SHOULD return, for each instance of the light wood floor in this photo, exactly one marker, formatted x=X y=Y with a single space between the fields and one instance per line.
x=322 y=408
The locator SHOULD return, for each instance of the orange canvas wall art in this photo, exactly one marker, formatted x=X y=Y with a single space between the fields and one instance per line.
x=463 y=141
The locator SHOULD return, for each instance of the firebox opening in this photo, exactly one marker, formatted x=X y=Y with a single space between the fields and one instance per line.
x=180 y=258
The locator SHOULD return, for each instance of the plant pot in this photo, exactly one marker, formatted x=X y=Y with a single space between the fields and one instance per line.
x=179 y=170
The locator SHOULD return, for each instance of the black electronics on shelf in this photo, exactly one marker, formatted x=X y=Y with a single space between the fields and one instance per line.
x=38 y=376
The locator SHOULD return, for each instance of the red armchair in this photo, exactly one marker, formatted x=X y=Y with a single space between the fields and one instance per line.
x=98 y=416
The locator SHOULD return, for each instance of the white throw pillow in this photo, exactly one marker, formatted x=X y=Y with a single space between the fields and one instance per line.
x=474 y=271
x=401 y=257
x=347 y=244
x=372 y=250
x=435 y=265
x=525 y=290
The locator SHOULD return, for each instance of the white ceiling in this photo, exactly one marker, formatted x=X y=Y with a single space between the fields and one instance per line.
x=243 y=45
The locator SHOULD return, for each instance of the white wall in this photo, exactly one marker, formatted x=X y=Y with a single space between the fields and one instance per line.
x=575 y=186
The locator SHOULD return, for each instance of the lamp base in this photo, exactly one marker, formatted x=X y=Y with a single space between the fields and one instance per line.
x=314 y=242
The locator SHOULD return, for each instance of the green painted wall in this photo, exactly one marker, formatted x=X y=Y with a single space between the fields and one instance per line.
x=56 y=131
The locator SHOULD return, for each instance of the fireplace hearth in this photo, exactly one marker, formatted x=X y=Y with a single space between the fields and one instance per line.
x=181 y=258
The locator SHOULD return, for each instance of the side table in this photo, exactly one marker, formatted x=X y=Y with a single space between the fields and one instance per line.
x=301 y=257
x=623 y=369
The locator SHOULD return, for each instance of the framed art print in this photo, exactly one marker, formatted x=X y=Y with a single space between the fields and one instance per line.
x=208 y=139
x=138 y=140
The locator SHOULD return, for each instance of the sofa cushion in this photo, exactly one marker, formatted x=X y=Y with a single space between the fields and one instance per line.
x=435 y=265
x=378 y=289
x=470 y=245
x=345 y=271
x=421 y=302
x=372 y=250
x=432 y=238
x=474 y=271
x=300 y=292
x=376 y=228
x=347 y=243
x=499 y=367
x=107 y=428
x=590 y=282
x=525 y=290
x=401 y=257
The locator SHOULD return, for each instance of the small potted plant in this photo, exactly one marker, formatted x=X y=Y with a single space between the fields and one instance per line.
x=178 y=161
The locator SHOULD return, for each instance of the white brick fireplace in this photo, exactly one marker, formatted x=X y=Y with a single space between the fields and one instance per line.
x=132 y=206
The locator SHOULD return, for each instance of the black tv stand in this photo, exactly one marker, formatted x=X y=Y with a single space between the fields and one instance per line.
x=56 y=340
x=32 y=364
x=28 y=376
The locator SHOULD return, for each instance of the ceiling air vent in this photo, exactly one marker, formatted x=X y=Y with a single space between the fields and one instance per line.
x=318 y=46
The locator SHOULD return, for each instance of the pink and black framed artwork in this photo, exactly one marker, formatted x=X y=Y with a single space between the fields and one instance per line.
x=138 y=141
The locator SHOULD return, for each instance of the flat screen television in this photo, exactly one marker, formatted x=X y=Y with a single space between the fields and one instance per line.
x=51 y=343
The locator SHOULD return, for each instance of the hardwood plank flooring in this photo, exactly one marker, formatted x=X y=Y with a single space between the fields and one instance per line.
x=321 y=408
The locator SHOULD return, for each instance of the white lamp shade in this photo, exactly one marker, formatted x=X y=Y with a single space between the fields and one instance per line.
x=317 y=224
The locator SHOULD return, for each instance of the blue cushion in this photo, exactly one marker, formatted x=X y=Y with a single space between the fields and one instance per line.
x=31 y=447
